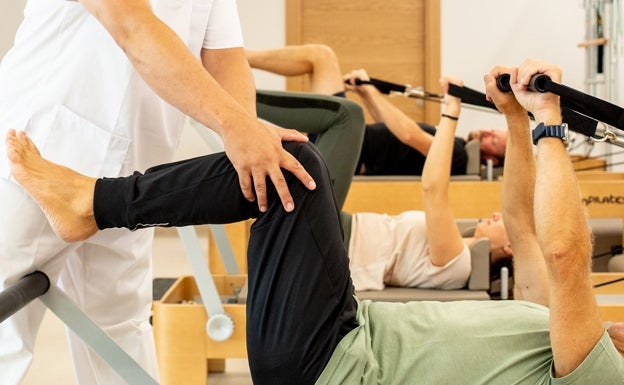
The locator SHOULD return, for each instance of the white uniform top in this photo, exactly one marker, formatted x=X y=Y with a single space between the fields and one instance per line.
x=84 y=105
x=393 y=250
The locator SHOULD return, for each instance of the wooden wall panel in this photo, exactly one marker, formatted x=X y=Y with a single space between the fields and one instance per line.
x=394 y=40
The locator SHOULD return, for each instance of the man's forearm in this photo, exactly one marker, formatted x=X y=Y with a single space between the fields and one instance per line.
x=565 y=240
x=166 y=64
x=436 y=172
x=370 y=97
x=230 y=68
x=530 y=275
x=401 y=126
x=557 y=198
x=518 y=188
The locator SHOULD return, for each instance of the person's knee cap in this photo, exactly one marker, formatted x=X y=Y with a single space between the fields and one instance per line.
x=355 y=111
x=355 y=116
x=308 y=155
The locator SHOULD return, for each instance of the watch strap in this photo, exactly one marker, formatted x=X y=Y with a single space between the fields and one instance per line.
x=550 y=131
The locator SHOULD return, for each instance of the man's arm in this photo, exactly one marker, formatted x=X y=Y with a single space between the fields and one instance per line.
x=165 y=63
x=380 y=108
x=530 y=275
x=229 y=67
x=563 y=233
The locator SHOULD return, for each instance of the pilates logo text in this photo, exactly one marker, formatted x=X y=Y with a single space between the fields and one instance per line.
x=603 y=200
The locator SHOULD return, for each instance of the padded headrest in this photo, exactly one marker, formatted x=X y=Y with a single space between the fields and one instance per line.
x=473 y=150
x=481 y=264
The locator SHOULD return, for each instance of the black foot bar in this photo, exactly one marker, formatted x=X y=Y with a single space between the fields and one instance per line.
x=36 y=285
x=23 y=292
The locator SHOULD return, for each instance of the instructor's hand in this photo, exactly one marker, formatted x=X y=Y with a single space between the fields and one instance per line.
x=257 y=153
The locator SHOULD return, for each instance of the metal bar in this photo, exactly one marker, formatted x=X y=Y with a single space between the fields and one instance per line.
x=23 y=292
x=67 y=311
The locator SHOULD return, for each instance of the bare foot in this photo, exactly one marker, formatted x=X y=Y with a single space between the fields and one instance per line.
x=65 y=196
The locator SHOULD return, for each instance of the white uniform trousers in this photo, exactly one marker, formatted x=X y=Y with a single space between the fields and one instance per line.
x=109 y=276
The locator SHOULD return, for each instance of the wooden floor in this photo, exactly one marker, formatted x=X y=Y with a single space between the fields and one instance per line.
x=52 y=364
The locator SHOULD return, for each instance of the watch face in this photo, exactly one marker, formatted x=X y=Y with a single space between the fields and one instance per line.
x=562 y=132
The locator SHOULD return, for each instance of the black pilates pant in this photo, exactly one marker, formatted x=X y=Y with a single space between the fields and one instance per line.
x=300 y=302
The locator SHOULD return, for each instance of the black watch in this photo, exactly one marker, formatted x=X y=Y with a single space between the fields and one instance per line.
x=555 y=131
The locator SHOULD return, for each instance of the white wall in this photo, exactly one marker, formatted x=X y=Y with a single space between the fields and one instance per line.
x=264 y=26
x=478 y=35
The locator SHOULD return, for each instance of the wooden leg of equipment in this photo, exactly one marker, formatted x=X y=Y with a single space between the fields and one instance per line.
x=611 y=296
x=180 y=344
x=185 y=352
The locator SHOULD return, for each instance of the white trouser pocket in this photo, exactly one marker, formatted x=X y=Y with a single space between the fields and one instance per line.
x=81 y=145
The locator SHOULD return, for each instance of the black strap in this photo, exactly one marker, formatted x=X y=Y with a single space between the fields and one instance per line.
x=609 y=282
x=383 y=86
x=467 y=95
x=470 y=96
x=386 y=87
x=578 y=122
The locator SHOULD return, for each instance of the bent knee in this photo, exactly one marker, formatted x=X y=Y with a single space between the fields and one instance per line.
x=310 y=158
x=321 y=52
x=354 y=113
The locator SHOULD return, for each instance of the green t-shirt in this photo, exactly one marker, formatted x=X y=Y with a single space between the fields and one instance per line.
x=464 y=342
